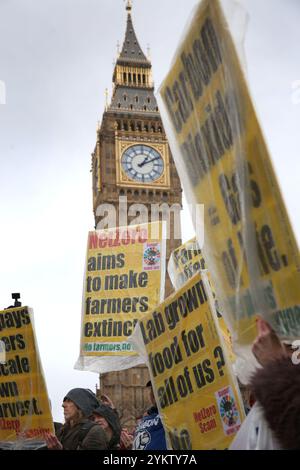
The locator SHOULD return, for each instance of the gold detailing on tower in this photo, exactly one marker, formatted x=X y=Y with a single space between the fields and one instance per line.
x=133 y=76
x=106 y=99
x=129 y=6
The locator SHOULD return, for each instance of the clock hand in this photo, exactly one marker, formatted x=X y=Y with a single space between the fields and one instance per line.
x=143 y=162
x=148 y=161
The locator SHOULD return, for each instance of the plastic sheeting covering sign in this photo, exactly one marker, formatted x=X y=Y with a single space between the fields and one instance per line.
x=194 y=387
x=184 y=262
x=24 y=407
x=124 y=279
x=221 y=156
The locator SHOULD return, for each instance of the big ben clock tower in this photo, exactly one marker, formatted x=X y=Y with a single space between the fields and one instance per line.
x=132 y=160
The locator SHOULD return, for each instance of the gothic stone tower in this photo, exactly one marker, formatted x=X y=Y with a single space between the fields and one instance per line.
x=132 y=159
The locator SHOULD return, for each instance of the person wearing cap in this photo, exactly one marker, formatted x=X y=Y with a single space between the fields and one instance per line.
x=149 y=433
x=78 y=432
x=109 y=420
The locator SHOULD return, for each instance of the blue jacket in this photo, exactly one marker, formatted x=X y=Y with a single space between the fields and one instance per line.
x=149 y=433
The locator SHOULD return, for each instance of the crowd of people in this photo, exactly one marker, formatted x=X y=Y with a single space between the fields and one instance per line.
x=91 y=424
x=273 y=421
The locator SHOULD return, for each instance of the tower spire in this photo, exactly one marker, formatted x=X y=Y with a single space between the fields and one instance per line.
x=132 y=77
x=131 y=50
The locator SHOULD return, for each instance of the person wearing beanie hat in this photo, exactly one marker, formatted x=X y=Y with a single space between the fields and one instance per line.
x=109 y=420
x=78 y=432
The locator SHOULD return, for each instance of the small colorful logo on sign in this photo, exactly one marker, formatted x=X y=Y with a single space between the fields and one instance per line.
x=151 y=257
x=228 y=411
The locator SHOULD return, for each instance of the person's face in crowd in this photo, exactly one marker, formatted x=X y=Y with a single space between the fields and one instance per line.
x=103 y=423
x=70 y=410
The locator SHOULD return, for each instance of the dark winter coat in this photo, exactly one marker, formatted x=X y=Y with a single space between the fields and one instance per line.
x=85 y=435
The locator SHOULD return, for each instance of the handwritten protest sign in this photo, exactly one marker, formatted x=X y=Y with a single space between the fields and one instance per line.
x=195 y=389
x=124 y=279
x=24 y=407
x=220 y=153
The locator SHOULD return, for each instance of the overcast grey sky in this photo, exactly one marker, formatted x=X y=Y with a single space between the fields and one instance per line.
x=56 y=59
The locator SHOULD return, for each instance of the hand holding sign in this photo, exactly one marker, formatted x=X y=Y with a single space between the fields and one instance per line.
x=267 y=345
x=52 y=442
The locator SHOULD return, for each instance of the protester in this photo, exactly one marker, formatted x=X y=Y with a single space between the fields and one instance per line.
x=149 y=433
x=126 y=437
x=78 y=432
x=109 y=420
x=274 y=421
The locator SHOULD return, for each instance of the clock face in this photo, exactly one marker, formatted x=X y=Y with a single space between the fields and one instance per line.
x=142 y=163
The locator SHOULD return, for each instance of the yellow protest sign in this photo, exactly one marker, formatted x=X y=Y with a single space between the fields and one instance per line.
x=184 y=262
x=124 y=279
x=220 y=153
x=195 y=390
x=24 y=408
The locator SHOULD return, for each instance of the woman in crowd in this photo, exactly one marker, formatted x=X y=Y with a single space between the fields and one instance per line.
x=78 y=432
x=126 y=437
x=109 y=420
